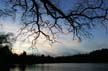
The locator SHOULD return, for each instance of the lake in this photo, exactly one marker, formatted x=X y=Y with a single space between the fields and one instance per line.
x=61 y=67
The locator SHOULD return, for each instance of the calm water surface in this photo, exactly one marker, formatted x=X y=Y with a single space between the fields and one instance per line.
x=62 y=67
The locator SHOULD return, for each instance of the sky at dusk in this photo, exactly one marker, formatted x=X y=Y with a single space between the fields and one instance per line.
x=66 y=46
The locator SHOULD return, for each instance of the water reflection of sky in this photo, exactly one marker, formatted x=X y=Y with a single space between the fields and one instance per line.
x=58 y=67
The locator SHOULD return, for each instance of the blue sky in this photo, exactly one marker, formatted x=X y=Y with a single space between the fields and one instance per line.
x=67 y=45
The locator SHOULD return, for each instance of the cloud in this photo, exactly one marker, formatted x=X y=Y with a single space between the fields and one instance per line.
x=9 y=26
x=43 y=45
x=67 y=45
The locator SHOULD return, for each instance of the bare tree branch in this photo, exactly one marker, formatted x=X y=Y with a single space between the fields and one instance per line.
x=39 y=14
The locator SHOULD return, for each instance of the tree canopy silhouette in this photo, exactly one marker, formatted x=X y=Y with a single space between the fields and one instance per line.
x=39 y=14
x=6 y=40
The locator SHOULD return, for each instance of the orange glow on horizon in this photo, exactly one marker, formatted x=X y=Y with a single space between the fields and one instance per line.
x=16 y=51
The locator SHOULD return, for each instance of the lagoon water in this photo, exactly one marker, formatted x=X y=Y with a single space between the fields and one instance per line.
x=62 y=67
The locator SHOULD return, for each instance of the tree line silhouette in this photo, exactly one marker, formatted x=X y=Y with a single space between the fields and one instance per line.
x=6 y=56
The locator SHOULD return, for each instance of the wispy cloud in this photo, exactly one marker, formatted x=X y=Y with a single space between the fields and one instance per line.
x=67 y=45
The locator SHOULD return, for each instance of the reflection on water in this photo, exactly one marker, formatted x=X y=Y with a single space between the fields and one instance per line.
x=58 y=67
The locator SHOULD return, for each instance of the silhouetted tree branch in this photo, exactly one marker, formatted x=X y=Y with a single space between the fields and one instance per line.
x=39 y=14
